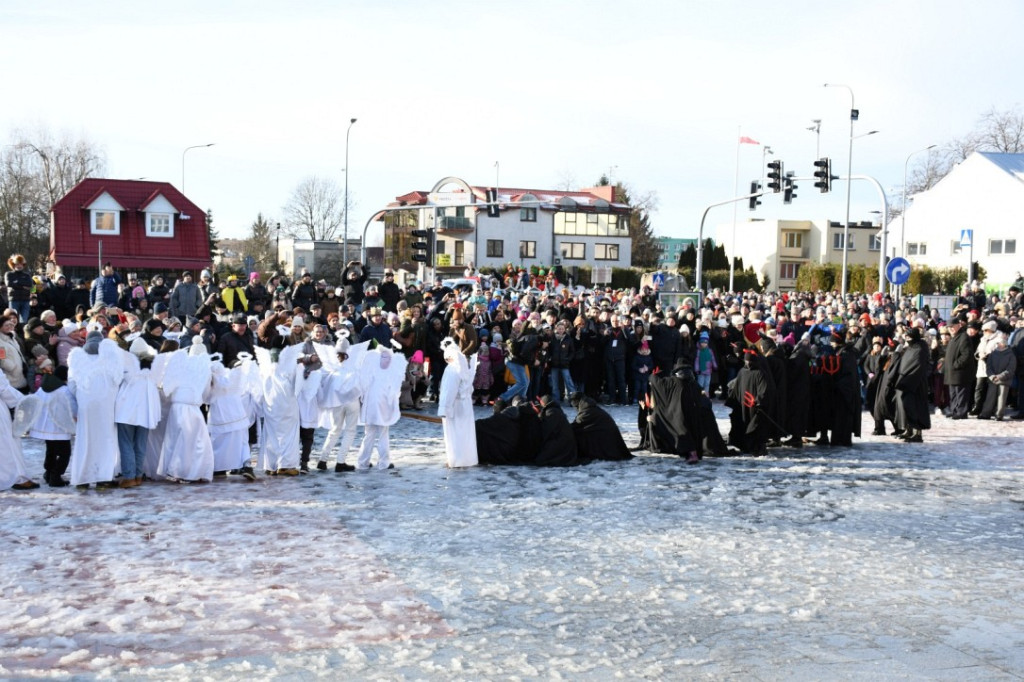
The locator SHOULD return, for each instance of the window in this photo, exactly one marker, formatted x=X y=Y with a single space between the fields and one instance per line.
x=997 y=247
x=300 y=261
x=527 y=250
x=794 y=240
x=573 y=250
x=159 y=225
x=837 y=241
x=592 y=218
x=460 y=252
x=439 y=246
x=605 y=251
x=917 y=248
x=495 y=248
x=593 y=224
x=788 y=270
x=106 y=222
x=954 y=248
x=527 y=215
x=875 y=243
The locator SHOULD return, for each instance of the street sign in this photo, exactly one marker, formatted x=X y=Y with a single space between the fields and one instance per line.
x=898 y=271
x=966 y=238
x=659 y=279
x=250 y=263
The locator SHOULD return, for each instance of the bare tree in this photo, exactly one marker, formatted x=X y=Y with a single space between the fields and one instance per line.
x=315 y=209
x=35 y=172
x=995 y=131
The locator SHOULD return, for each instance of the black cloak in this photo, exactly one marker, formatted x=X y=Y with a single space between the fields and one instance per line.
x=597 y=434
x=912 y=387
x=558 y=445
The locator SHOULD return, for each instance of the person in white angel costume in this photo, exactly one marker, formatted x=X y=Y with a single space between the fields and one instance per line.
x=455 y=407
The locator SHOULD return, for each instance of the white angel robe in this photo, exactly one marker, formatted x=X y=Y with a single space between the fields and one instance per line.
x=186 y=453
x=279 y=444
x=155 y=439
x=228 y=418
x=138 y=400
x=12 y=463
x=338 y=397
x=93 y=381
x=455 y=407
x=381 y=373
x=56 y=418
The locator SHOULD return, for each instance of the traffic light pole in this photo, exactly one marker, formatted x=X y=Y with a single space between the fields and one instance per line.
x=700 y=236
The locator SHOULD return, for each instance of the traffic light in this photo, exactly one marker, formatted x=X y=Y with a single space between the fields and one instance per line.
x=776 y=173
x=823 y=174
x=424 y=245
x=492 y=203
x=755 y=188
x=788 y=188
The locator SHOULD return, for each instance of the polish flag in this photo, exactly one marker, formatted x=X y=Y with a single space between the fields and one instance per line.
x=748 y=140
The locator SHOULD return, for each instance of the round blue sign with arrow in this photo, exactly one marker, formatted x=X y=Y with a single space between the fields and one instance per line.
x=898 y=271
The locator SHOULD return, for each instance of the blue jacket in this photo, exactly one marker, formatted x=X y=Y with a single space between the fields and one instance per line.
x=104 y=289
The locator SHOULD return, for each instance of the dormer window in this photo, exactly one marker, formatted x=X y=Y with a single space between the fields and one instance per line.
x=105 y=215
x=159 y=217
x=159 y=225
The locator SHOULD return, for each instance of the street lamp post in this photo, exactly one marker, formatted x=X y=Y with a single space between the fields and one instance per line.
x=854 y=114
x=277 y=249
x=196 y=146
x=344 y=247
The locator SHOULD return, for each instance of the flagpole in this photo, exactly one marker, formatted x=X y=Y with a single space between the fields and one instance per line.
x=735 y=192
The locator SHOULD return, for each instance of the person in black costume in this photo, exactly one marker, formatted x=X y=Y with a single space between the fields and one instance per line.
x=775 y=363
x=912 y=410
x=872 y=365
x=679 y=419
x=846 y=401
x=558 y=444
x=798 y=392
x=751 y=398
x=597 y=434
x=885 y=396
x=499 y=438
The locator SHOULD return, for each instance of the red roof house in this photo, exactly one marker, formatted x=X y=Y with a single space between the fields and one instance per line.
x=142 y=225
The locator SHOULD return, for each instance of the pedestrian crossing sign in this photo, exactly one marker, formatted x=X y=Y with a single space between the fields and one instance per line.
x=966 y=238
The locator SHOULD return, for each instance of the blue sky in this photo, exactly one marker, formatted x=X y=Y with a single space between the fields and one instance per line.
x=653 y=92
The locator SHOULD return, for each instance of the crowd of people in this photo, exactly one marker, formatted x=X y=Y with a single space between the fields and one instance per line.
x=189 y=376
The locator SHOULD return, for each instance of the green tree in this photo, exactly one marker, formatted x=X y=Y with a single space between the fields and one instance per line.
x=261 y=245
x=644 y=246
x=211 y=235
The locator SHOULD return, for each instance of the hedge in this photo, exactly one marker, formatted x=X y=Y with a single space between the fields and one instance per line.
x=864 y=278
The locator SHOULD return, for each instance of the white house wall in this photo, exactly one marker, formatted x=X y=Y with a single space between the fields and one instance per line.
x=511 y=231
x=976 y=195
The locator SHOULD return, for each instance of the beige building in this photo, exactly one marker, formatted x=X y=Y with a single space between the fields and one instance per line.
x=779 y=248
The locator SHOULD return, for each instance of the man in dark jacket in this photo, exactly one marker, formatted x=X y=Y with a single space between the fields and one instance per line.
x=958 y=368
x=104 y=287
x=236 y=341
x=304 y=292
x=377 y=329
x=912 y=412
x=353 y=278
x=390 y=293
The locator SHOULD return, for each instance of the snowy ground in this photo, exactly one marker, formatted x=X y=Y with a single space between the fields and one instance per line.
x=878 y=562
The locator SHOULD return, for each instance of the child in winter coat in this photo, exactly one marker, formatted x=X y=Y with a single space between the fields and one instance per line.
x=704 y=365
x=483 y=380
x=643 y=366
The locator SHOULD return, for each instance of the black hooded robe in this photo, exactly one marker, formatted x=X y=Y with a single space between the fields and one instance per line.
x=558 y=444
x=911 y=386
x=597 y=435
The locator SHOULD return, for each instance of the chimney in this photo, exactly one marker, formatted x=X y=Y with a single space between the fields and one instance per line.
x=606 y=192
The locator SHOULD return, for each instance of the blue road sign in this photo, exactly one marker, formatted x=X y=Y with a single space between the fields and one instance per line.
x=898 y=271
x=966 y=238
x=250 y=263
x=659 y=279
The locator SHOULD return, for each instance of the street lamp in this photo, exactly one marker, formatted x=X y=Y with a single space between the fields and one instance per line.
x=816 y=129
x=344 y=247
x=197 y=146
x=903 y=212
x=277 y=249
x=854 y=115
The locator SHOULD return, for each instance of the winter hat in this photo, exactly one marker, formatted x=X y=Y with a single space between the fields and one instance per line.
x=39 y=351
x=205 y=273
x=152 y=324
x=297 y=321
x=160 y=308
x=417 y=357
x=497 y=338
x=704 y=338
x=644 y=345
x=991 y=325
x=254 y=276
x=92 y=343
x=138 y=292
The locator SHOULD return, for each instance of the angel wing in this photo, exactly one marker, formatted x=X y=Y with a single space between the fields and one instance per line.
x=25 y=414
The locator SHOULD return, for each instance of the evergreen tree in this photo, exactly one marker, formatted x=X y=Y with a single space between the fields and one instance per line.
x=211 y=235
x=261 y=245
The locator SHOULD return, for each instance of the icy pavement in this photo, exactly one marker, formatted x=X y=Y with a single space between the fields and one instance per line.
x=880 y=562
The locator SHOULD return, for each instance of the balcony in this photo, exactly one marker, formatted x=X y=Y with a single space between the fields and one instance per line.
x=794 y=252
x=455 y=224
